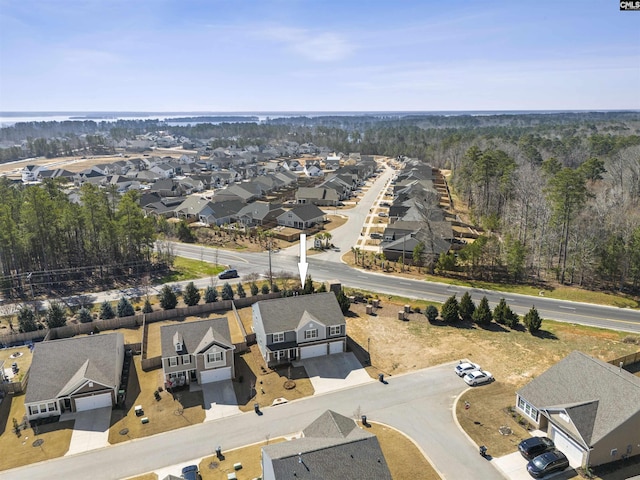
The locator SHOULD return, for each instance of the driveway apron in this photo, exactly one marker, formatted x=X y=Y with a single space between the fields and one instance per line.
x=90 y=430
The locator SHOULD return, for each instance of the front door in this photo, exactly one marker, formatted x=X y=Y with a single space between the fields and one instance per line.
x=192 y=376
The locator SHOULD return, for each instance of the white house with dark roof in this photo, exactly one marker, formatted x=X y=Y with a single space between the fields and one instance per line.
x=302 y=216
x=74 y=374
x=199 y=352
x=589 y=408
x=333 y=447
x=303 y=326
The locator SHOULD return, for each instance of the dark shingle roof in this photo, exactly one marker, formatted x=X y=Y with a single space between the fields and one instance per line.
x=60 y=364
x=337 y=449
x=307 y=211
x=196 y=337
x=596 y=406
x=284 y=314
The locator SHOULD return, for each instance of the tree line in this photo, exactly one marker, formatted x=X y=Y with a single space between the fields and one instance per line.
x=48 y=238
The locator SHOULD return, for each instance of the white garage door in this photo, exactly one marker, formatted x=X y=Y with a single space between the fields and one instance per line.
x=336 y=347
x=571 y=449
x=94 y=401
x=313 y=351
x=215 y=375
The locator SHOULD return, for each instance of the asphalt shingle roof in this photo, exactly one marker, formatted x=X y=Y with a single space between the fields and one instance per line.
x=597 y=396
x=59 y=365
x=284 y=314
x=196 y=336
x=333 y=448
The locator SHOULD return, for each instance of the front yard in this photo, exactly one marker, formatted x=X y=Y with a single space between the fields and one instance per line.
x=177 y=410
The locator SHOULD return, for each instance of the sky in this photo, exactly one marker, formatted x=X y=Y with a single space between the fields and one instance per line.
x=317 y=55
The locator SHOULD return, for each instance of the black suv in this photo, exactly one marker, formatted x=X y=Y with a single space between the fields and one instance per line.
x=534 y=446
x=548 y=462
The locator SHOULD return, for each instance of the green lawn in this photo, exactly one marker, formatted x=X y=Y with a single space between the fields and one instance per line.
x=187 y=268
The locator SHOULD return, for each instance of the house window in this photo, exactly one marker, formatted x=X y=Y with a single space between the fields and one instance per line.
x=280 y=354
x=334 y=330
x=52 y=407
x=43 y=408
x=214 y=357
x=309 y=334
x=292 y=353
x=278 y=337
x=33 y=410
x=186 y=359
x=173 y=361
x=528 y=410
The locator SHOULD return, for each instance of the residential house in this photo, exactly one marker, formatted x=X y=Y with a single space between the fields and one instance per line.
x=208 y=212
x=74 y=374
x=199 y=352
x=167 y=187
x=333 y=447
x=302 y=327
x=317 y=196
x=164 y=170
x=302 y=216
x=313 y=170
x=263 y=214
x=59 y=173
x=589 y=408
x=332 y=162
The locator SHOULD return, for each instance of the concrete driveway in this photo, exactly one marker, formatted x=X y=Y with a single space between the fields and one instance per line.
x=514 y=467
x=90 y=430
x=334 y=372
x=219 y=400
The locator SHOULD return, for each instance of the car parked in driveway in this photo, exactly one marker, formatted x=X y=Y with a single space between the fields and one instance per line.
x=478 y=377
x=548 y=462
x=376 y=236
x=465 y=367
x=191 y=473
x=534 y=446
x=383 y=214
x=229 y=273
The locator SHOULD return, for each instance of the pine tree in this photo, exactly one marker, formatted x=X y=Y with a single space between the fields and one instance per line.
x=84 y=315
x=147 y=306
x=431 y=313
x=308 y=286
x=482 y=315
x=56 y=315
x=125 y=309
x=276 y=289
x=227 y=292
x=168 y=299
x=106 y=311
x=532 y=320
x=265 y=288
x=322 y=288
x=511 y=318
x=344 y=302
x=500 y=312
x=240 y=291
x=466 y=307
x=27 y=320
x=191 y=295
x=254 y=289
x=210 y=295
x=450 y=312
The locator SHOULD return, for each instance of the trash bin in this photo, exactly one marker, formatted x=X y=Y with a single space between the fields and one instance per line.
x=256 y=407
x=364 y=419
x=381 y=377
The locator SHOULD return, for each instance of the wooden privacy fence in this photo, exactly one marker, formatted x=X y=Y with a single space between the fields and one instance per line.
x=626 y=360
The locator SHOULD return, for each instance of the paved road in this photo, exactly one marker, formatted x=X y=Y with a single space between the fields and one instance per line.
x=419 y=404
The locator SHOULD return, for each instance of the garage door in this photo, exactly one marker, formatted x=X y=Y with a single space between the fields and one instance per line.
x=94 y=401
x=571 y=449
x=215 y=375
x=336 y=347
x=313 y=351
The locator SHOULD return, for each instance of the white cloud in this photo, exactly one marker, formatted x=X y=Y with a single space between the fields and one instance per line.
x=315 y=46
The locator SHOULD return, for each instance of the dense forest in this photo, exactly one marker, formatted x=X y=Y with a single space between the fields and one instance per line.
x=48 y=241
x=557 y=195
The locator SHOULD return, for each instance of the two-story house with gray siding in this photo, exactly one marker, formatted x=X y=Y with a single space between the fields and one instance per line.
x=199 y=352
x=299 y=327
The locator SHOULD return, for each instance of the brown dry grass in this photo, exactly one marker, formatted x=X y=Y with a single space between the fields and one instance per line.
x=404 y=459
x=171 y=412
x=263 y=385
x=18 y=451
x=211 y=468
